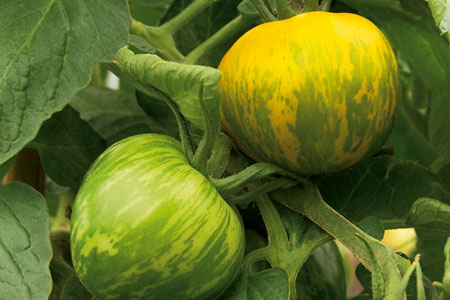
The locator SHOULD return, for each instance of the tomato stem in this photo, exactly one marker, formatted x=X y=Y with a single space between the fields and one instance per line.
x=284 y=10
x=325 y=5
x=263 y=10
x=159 y=38
x=187 y=14
x=233 y=184
x=220 y=155
x=203 y=152
x=420 y=288
x=186 y=141
x=282 y=251
x=270 y=186
x=310 y=5
x=373 y=254
x=60 y=221
x=227 y=32
x=394 y=223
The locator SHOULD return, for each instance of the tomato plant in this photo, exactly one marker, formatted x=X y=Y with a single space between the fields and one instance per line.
x=240 y=149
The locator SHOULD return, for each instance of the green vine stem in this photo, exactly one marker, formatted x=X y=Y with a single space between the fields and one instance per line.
x=325 y=5
x=203 y=152
x=310 y=5
x=160 y=39
x=186 y=141
x=280 y=251
x=233 y=184
x=235 y=26
x=220 y=155
x=190 y=12
x=60 y=221
x=420 y=289
x=284 y=10
x=373 y=254
x=263 y=11
x=394 y=223
x=99 y=75
x=267 y=187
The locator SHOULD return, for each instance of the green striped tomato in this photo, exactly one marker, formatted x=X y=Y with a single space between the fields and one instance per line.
x=146 y=225
x=314 y=93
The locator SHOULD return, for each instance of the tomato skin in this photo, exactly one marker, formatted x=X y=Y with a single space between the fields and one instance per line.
x=315 y=93
x=146 y=225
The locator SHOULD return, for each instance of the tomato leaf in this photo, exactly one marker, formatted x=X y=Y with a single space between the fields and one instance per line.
x=25 y=248
x=409 y=135
x=110 y=111
x=372 y=226
x=347 y=189
x=444 y=173
x=409 y=143
x=48 y=50
x=430 y=244
x=429 y=213
x=74 y=290
x=67 y=146
x=370 y=183
x=140 y=45
x=270 y=284
x=301 y=231
x=407 y=181
x=441 y=14
x=149 y=12
x=322 y=276
x=159 y=111
x=181 y=83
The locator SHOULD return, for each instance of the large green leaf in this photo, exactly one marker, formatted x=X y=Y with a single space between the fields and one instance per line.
x=149 y=12
x=407 y=182
x=67 y=146
x=410 y=133
x=323 y=275
x=430 y=213
x=157 y=110
x=351 y=191
x=25 y=249
x=47 y=51
x=270 y=284
x=430 y=244
x=441 y=15
x=181 y=83
x=110 y=111
x=410 y=29
x=369 y=188
x=74 y=290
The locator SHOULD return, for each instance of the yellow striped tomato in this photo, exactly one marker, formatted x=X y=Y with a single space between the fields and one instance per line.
x=314 y=93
